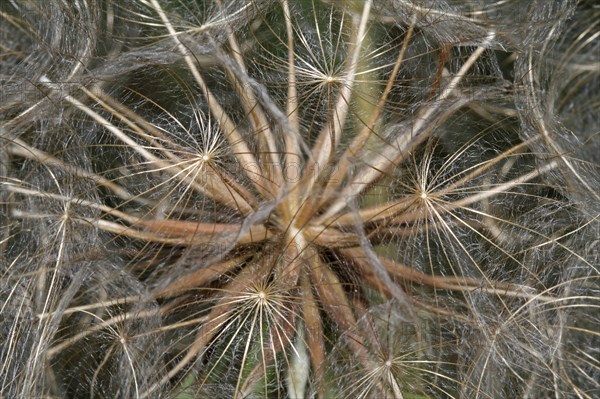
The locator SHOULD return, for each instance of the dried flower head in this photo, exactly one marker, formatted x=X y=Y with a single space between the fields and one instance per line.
x=371 y=199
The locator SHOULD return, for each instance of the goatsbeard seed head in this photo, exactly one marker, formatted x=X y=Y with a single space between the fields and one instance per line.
x=298 y=199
